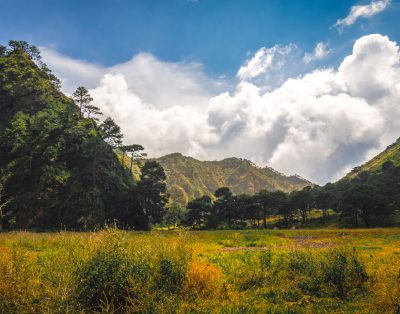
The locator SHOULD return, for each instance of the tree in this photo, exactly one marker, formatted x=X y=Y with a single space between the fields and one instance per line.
x=82 y=99
x=135 y=151
x=224 y=205
x=365 y=202
x=111 y=133
x=22 y=46
x=246 y=208
x=92 y=110
x=325 y=198
x=286 y=208
x=151 y=192
x=175 y=215
x=264 y=200
x=199 y=213
x=302 y=200
x=3 y=50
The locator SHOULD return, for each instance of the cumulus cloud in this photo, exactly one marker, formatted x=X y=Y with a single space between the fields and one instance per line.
x=162 y=84
x=362 y=11
x=320 y=51
x=318 y=125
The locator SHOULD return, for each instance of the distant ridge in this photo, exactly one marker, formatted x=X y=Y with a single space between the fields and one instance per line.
x=188 y=178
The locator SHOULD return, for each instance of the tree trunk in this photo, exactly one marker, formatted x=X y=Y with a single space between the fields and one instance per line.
x=131 y=163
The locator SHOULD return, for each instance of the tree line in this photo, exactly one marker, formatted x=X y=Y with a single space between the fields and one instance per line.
x=60 y=167
x=370 y=199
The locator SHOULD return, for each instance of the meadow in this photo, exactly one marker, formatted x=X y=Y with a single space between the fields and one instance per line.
x=249 y=271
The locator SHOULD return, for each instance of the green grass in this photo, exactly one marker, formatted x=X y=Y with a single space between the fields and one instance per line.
x=250 y=271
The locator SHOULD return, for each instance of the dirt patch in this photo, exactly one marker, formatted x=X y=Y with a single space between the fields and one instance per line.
x=311 y=244
x=298 y=243
x=243 y=248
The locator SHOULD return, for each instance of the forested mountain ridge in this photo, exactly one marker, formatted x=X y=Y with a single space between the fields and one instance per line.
x=58 y=166
x=188 y=178
x=390 y=154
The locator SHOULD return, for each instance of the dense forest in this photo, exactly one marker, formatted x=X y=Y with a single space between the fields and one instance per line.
x=62 y=167
x=58 y=164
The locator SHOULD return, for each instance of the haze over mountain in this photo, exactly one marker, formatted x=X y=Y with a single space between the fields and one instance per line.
x=188 y=178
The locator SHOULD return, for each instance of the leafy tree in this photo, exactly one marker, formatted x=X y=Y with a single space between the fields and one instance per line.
x=91 y=111
x=82 y=99
x=303 y=200
x=246 y=208
x=199 y=213
x=175 y=215
x=363 y=201
x=265 y=202
x=151 y=190
x=135 y=151
x=111 y=133
x=224 y=205
x=287 y=207
x=325 y=198
x=23 y=47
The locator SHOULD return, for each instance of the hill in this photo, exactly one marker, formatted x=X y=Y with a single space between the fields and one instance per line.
x=188 y=178
x=58 y=167
x=390 y=154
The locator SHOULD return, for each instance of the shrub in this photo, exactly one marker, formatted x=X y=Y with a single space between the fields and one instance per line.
x=265 y=259
x=344 y=272
x=171 y=274
x=103 y=278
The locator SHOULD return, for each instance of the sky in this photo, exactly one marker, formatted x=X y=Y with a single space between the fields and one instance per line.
x=307 y=87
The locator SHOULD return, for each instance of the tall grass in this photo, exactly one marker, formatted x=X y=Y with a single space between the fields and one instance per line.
x=113 y=271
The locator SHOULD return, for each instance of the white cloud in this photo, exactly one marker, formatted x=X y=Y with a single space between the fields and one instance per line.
x=264 y=60
x=362 y=11
x=320 y=51
x=318 y=125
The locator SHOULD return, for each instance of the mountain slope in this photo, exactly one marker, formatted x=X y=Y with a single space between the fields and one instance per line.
x=391 y=153
x=188 y=178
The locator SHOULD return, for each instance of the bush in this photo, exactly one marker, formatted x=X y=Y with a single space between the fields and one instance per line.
x=344 y=272
x=171 y=274
x=103 y=278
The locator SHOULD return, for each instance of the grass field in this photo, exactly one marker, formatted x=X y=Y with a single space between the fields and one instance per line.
x=254 y=271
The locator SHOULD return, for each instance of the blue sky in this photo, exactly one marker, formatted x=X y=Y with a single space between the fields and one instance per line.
x=308 y=87
x=219 y=34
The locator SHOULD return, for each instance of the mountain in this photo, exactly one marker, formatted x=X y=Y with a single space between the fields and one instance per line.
x=188 y=178
x=390 y=154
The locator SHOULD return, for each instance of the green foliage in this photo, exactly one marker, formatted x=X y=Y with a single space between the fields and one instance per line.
x=175 y=215
x=58 y=169
x=345 y=273
x=200 y=213
x=111 y=133
x=171 y=274
x=104 y=277
x=151 y=192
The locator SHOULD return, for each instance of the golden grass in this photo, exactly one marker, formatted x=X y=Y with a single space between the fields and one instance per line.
x=251 y=271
